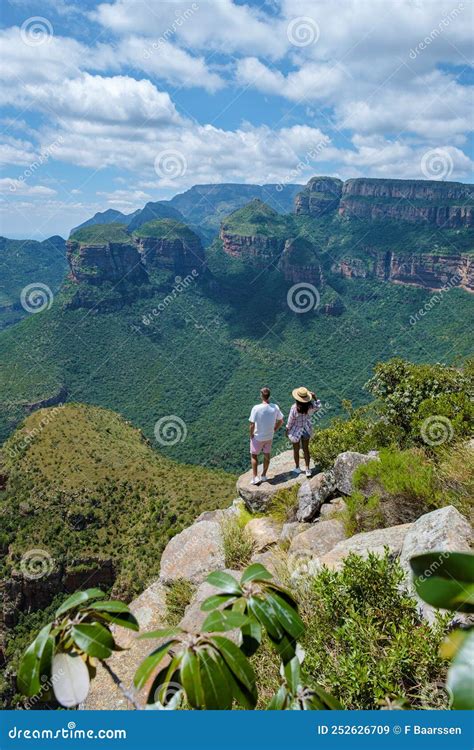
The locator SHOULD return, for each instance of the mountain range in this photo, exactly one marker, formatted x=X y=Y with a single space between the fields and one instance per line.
x=153 y=320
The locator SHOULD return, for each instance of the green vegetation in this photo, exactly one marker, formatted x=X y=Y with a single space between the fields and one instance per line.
x=168 y=229
x=428 y=406
x=365 y=641
x=211 y=671
x=178 y=595
x=25 y=262
x=446 y=580
x=256 y=218
x=238 y=545
x=283 y=504
x=98 y=234
x=85 y=486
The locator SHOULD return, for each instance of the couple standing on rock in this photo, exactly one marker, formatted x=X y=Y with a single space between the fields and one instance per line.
x=266 y=419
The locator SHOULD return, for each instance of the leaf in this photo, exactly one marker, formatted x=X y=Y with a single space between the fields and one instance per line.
x=452 y=643
x=28 y=678
x=288 y=617
x=150 y=663
x=79 y=598
x=236 y=662
x=122 y=619
x=216 y=688
x=224 y=581
x=165 y=683
x=221 y=621
x=285 y=647
x=292 y=674
x=445 y=580
x=460 y=681
x=163 y=633
x=70 y=680
x=215 y=601
x=41 y=639
x=191 y=679
x=255 y=571
x=264 y=614
x=46 y=659
x=240 y=693
x=115 y=612
x=94 y=639
x=251 y=637
x=279 y=700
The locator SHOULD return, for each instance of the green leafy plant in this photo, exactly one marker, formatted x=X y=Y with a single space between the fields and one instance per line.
x=205 y=669
x=446 y=580
x=61 y=659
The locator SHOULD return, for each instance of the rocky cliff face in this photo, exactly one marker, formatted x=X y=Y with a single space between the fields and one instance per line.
x=431 y=271
x=320 y=196
x=107 y=261
x=441 y=204
x=176 y=255
x=299 y=262
x=257 y=248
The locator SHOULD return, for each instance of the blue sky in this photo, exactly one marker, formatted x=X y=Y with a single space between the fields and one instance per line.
x=111 y=104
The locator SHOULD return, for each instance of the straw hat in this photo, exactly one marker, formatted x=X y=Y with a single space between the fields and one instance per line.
x=301 y=394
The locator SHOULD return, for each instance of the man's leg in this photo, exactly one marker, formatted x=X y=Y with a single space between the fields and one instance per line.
x=266 y=462
x=254 y=459
x=296 y=454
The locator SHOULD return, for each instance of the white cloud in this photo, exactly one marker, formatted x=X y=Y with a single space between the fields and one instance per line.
x=115 y=99
x=220 y=25
x=12 y=186
x=125 y=200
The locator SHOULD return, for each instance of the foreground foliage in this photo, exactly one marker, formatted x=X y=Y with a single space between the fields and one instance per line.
x=207 y=670
x=446 y=580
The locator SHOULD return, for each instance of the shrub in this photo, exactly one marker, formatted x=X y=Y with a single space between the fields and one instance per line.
x=455 y=475
x=401 y=387
x=365 y=641
x=362 y=514
x=442 y=419
x=404 y=483
x=178 y=595
x=360 y=433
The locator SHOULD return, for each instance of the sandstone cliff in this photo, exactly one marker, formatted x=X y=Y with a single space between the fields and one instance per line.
x=440 y=204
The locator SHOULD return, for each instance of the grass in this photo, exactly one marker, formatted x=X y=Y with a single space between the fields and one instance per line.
x=98 y=234
x=283 y=504
x=168 y=229
x=178 y=595
x=238 y=545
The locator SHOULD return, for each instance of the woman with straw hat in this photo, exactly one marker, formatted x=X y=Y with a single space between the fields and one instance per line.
x=299 y=427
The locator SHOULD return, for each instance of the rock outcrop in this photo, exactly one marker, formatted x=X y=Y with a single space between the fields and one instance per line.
x=436 y=203
x=299 y=262
x=97 y=262
x=320 y=196
x=432 y=271
x=442 y=530
x=368 y=541
x=193 y=553
x=263 y=532
x=313 y=493
x=258 y=498
x=345 y=465
x=316 y=541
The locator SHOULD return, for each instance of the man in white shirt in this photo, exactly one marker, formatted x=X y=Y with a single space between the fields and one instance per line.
x=265 y=419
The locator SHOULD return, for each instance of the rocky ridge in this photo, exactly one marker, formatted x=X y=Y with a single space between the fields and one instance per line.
x=291 y=551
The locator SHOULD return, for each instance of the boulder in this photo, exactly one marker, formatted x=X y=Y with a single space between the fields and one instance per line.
x=312 y=494
x=274 y=560
x=193 y=615
x=290 y=530
x=443 y=530
x=318 y=539
x=258 y=497
x=368 y=541
x=263 y=532
x=193 y=553
x=221 y=514
x=337 y=505
x=345 y=465
x=150 y=610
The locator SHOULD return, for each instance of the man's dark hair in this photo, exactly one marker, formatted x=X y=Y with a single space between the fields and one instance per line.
x=265 y=392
